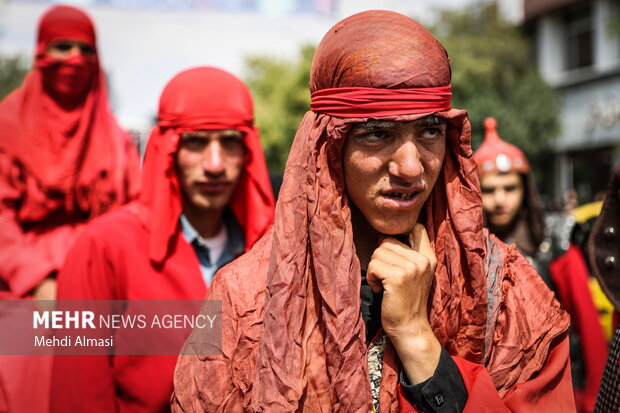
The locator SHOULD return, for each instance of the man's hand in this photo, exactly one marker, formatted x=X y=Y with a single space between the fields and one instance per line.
x=404 y=274
x=46 y=291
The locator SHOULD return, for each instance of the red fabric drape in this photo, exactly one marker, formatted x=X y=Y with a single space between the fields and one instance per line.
x=569 y=274
x=358 y=102
x=221 y=102
x=293 y=334
x=73 y=146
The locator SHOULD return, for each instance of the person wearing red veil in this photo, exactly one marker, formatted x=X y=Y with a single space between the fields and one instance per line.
x=206 y=198
x=63 y=161
x=63 y=157
x=377 y=288
x=514 y=213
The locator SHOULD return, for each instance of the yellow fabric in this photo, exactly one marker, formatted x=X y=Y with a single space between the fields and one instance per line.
x=604 y=306
x=587 y=211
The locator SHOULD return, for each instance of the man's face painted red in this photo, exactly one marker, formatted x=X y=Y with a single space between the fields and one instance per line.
x=71 y=73
x=391 y=168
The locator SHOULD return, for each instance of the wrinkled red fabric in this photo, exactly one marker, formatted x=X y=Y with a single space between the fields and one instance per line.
x=496 y=155
x=293 y=335
x=481 y=390
x=222 y=102
x=364 y=101
x=570 y=274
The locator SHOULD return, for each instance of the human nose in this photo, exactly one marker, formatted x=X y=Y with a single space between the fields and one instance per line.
x=213 y=159
x=406 y=163
x=499 y=196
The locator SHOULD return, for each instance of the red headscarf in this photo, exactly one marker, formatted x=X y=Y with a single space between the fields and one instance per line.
x=203 y=98
x=495 y=155
x=293 y=334
x=70 y=143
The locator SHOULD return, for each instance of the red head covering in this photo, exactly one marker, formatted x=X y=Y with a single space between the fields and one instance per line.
x=497 y=156
x=69 y=141
x=203 y=98
x=294 y=338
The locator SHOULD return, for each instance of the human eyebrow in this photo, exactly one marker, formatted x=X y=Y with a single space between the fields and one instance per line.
x=374 y=125
x=192 y=135
x=431 y=120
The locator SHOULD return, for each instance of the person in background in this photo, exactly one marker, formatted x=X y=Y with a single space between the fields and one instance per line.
x=514 y=213
x=604 y=253
x=206 y=198
x=377 y=288
x=64 y=160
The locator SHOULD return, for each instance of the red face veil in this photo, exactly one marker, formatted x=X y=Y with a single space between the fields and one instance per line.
x=310 y=352
x=67 y=80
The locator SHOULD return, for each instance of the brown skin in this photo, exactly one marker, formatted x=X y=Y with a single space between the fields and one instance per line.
x=63 y=49
x=502 y=197
x=384 y=160
x=209 y=165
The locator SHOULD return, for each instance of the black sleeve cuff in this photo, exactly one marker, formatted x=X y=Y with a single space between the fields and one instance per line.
x=443 y=392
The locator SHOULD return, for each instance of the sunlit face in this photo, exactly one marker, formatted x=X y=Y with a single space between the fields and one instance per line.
x=209 y=165
x=391 y=168
x=502 y=196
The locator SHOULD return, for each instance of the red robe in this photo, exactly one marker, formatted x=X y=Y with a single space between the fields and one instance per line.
x=569 y=274
x=524 y=397
x=63 y=160
x=111 y=261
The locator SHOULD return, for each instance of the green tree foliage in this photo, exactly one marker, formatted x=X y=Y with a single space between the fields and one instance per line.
x=12 y=72
x=281 y=96
x=494 y=74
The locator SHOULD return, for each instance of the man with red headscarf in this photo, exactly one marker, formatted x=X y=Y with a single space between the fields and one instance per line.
x=513 y=212
x=63 y=160
x=377 y=288
x=206 y=198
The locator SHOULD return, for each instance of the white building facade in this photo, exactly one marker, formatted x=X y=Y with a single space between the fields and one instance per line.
x=577 y=46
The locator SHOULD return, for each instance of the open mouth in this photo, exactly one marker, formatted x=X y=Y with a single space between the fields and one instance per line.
x=400 y=195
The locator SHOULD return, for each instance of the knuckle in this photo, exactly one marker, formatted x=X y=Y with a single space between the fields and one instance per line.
x=410 y=268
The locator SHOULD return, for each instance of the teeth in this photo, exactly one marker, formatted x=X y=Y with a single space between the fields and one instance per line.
x=398 y=195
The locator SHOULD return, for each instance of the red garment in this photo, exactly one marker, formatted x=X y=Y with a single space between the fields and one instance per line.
x=525 y=397
x=498 y=156
x=120 y=255
x=358 y=102
x=24 y=379
x=569 y=274
x=63 y=159
x=224 y=102
x=293 y=335
x=111 y=261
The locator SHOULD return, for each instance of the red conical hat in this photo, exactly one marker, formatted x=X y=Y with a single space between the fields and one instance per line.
x=497 y=156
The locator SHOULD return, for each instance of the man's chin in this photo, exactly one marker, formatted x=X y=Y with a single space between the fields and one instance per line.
x=393 y=229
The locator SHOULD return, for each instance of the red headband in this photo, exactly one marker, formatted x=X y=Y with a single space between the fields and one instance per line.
x=361 y=102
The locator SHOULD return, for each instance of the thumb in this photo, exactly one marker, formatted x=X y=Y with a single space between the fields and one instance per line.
x=419 y=241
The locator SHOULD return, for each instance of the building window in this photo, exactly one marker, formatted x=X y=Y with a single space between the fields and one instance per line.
x=579 y=37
